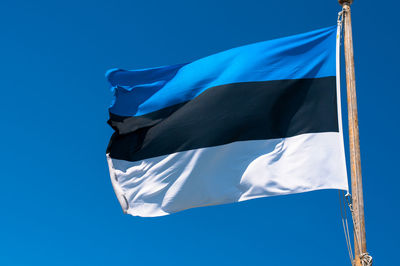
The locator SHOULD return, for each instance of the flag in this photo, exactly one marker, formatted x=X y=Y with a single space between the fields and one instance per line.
x=255 y=121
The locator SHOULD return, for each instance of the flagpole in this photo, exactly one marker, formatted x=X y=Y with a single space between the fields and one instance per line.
x=360 y=244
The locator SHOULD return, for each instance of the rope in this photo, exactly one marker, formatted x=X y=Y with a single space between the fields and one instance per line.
x=340 y=18
x=349 y=200
x=345 y=225
x=341 y=193
x=366 y=259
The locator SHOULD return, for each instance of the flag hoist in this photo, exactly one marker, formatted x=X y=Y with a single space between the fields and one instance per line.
x=255 y=121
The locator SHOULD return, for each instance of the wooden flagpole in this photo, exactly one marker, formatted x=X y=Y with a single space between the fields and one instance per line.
x=360 y=244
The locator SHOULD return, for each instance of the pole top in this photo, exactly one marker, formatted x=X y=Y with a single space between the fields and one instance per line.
x=342 y=2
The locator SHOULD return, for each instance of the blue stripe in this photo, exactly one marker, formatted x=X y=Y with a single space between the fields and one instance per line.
x=307 y=55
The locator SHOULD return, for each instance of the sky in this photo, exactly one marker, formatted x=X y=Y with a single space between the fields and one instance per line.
x=56 y=200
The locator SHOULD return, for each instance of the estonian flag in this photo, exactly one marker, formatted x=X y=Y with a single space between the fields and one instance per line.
x=255 y=121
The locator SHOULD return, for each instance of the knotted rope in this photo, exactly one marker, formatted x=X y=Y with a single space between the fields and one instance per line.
x=366 y=259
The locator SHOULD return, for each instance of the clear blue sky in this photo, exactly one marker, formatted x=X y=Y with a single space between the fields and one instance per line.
x=57 y=204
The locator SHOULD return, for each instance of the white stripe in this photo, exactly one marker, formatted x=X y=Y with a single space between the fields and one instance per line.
x=229 y=173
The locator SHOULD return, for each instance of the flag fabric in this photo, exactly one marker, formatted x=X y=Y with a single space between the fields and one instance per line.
x=255 y=121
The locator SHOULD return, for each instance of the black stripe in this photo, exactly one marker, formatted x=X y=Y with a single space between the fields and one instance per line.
x=229 y=113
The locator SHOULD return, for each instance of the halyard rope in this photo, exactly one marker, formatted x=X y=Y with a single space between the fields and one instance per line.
x=342 y=204
x=365 y=258
x=345 y=225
